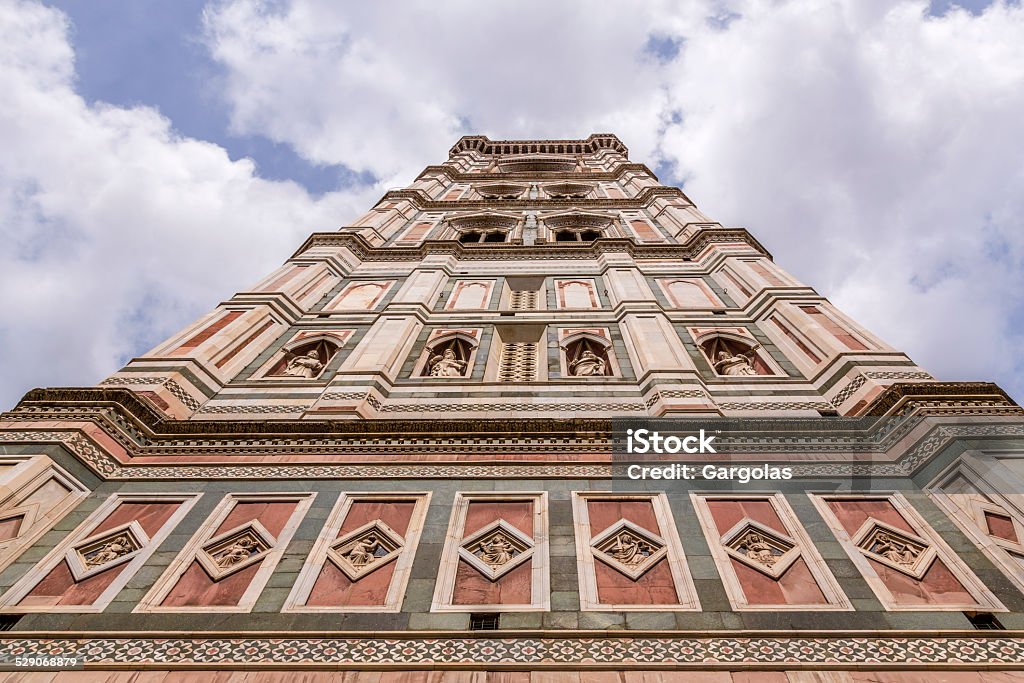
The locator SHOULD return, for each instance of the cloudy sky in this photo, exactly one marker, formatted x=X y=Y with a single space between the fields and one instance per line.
x=156 y=156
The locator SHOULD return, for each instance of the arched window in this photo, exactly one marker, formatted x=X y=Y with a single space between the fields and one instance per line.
x=449 y=355
x=587 y=355
x=483 y=228
x=306 y=359
x=733 y=357
x=577 y=226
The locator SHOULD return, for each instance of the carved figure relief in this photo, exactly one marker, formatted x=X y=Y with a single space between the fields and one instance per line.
x=496 y=549
x=761 y=547
x=104 y=551
x=629 y=549
x=305 y=361
x=893 y=547
x=448 y=358
x=109 y=552
x=733 y=358
x=366 y=549
x=758 y=550
x=307 y=366
x=446 y=364
x=235 y=550
x=588 y=364
x=587 y=356
x=896 y=551
x=239 y=551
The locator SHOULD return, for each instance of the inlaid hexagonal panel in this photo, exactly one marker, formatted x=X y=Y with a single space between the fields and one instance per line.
x=366 y=549
x=234 y=550
x=893 y=547
x=761 y=547
x=106 y=550
x=628 y=548
x=496 y=549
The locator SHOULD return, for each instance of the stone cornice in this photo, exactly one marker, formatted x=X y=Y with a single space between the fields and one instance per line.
x=643 y=199
x=455 y=175
x=689 y=250
x=481 y=144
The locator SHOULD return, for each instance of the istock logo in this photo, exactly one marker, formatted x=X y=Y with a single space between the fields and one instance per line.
x=647 y=441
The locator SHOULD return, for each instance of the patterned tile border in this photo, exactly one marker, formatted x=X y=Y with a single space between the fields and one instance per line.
x=530 y=652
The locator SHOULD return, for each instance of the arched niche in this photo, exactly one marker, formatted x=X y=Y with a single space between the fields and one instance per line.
x=585 y=354
x=731 y=355
x=306 y=358
x=449 y=354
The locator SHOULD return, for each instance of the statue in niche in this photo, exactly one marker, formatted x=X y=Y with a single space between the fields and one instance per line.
x=108 y=553
x=891 y=549
x=758 y=550
x=629 y=550
x=727 y=363
x=496 y=550
x=446 y=364
x=362 y=551
x=588 y=364
x=308 y=366
x=240 y=550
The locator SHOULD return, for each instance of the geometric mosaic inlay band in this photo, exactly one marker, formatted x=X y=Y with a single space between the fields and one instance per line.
x=784 y=652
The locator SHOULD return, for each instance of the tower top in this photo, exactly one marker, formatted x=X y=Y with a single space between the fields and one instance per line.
x=481 y=144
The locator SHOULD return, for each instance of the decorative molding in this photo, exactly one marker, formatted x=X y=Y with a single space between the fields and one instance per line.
x=691 y=249
x=593 y=651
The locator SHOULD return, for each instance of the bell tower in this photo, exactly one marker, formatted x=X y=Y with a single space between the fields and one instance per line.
x=398 y=455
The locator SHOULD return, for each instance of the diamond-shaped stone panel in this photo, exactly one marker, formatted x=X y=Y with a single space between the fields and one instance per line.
x=234 y=550
x=760 y=547
x=366 y=549
x=15 y=521
x=496 y=549
x=106 y=550
x=893 y=547
x=628 y=548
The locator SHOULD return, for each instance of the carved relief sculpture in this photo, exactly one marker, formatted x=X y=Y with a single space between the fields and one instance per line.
x=496 y=550
x=366 y=549
x=109 y=552
x=362 y=551
x=308 y=366
x=446 y=364
x=629 y=549
x=758 y=550
x=891 y=549
x=740 y=364
x=588 y=364
x=239 y=551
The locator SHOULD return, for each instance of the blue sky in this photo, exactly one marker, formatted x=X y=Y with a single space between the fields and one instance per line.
x=161 y=155
x=150 y=52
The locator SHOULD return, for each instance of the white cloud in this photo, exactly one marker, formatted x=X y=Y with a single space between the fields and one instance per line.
x=116 y=231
